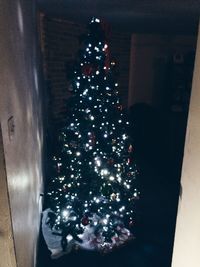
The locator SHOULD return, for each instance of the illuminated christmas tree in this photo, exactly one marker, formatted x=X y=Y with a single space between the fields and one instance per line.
x=92 y=193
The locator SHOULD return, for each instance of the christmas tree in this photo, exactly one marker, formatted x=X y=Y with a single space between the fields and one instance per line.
x=92 y=193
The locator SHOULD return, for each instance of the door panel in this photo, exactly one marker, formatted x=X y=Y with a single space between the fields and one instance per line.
x=7 y=250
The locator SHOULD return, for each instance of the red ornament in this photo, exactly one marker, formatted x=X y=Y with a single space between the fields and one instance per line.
x=87 y=70
x=119 y=107
x=59 y=167
x=85 y=221
x=114 y=141
x=130 y=149
x=93 y=139
x=110 y=161
x=107 y=59
x=65 y=188
x=129 y=160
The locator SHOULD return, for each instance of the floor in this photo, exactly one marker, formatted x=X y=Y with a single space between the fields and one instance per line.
x=159 y=185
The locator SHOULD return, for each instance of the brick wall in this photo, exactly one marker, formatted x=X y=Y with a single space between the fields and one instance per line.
x=60 y=45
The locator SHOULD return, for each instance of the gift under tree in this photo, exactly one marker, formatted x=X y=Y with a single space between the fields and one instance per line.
x=92 y=193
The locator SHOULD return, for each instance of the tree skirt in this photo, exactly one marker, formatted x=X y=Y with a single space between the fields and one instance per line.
x=88 y=239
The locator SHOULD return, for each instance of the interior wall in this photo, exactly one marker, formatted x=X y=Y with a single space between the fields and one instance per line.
x=187 y=236
x=20 y=118
x=150 y=56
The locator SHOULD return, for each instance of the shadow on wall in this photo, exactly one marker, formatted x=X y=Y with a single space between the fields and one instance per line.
x=149 y=130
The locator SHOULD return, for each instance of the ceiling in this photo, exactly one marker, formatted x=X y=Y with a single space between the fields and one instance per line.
x=163 y=16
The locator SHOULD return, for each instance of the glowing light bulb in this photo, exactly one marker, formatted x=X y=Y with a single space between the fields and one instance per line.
x=97 y=200
x=65 y=213
x=104 y=172
x=122 y=208
x=119 y=179
x=111 y=178
x=118 y=199
x=124 y=137
x=105 y=221
x=85 y=91
x=98 y=162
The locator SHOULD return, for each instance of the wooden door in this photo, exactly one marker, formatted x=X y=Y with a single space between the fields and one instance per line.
x=7 y=250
